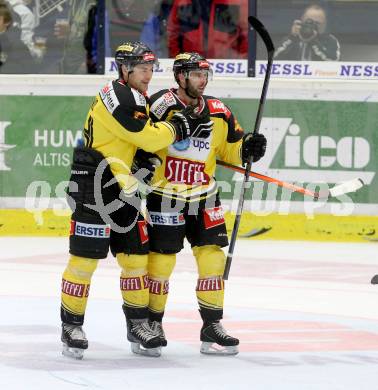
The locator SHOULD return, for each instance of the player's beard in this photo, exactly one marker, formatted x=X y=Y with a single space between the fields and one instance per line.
x=193 y=92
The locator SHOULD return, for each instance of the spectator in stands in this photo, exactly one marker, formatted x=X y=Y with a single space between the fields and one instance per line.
x=128 y=19
x=5 y=23
x=73 y=32
x=213 y=28
x=14 y=54
x=91 y=40
x=308 y=39
x=24 y=18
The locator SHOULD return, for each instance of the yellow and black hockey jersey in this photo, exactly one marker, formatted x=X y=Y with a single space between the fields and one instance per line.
x=118 y=123
x=188 y=166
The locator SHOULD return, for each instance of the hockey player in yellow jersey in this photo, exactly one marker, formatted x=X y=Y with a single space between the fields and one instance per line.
x=105 y=202
x=185 y=200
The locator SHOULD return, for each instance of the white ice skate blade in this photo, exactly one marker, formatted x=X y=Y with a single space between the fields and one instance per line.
x=75 y=353
x=216 y=349
x=139 y=350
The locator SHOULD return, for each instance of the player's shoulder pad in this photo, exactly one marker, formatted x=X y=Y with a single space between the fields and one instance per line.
x=217 y=107
x=161 y=102
x=116 y=94
x=109 y=97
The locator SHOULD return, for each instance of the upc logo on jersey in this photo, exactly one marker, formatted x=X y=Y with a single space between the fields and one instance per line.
x=196 y=143
x=213 y=217
x=218 y=107
x=191 y=148
x=89 y=230
x=109 y=98
x=167 y=219
x=3 y=146
x=182 y=171
x=182 y=145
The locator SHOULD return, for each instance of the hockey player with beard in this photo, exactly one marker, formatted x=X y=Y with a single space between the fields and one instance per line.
x=105 y=202
x=185 y=200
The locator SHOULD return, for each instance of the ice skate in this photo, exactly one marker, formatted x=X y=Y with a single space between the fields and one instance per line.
x=215 y=340
x=143 y=340
x=157 y=328
x=74 y=341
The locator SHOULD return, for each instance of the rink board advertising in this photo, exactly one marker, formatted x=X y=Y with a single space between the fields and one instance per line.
x=287 y=69
x=308 y=142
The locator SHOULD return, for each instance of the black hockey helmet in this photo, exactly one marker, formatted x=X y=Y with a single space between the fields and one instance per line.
x=134 y=53
x=185 y=62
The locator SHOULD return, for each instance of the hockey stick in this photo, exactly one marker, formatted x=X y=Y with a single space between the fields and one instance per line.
x=260 y=29
x=340 y=189
x=256 y=232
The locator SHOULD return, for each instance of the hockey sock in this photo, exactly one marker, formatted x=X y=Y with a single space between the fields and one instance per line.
x=76 y=282
x=210 y=285
x=160 y=267
x=133 y=280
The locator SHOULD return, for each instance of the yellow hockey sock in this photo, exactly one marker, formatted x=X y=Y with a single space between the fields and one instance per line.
x=160 y=267
x=76 y=282
x=210 y=285
x=134 y=279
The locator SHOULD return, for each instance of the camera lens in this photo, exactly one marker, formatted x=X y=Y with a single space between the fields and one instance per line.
x=308 y=28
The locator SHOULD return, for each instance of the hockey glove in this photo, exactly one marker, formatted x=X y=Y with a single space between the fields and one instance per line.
x=253 y=146
x=188 y=123
x=144 y=165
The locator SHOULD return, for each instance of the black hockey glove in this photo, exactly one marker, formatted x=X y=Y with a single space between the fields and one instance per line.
x=254 y=145
x=144 y=165
x=190 y=124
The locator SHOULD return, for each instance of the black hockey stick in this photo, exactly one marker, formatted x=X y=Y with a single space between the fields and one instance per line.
x=260 y=29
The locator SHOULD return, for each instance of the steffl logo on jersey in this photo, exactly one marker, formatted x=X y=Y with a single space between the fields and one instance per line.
x=181 y=171
x=3 y=146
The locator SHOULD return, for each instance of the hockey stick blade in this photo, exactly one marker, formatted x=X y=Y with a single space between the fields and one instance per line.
x=256 y=232
x=340 y=189
x=348 y=186
x=374 y=239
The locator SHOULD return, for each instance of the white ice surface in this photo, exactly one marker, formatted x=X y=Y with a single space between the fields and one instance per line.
x=306 y=315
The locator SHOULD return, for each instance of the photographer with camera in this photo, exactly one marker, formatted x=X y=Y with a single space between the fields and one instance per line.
x=308 y=40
